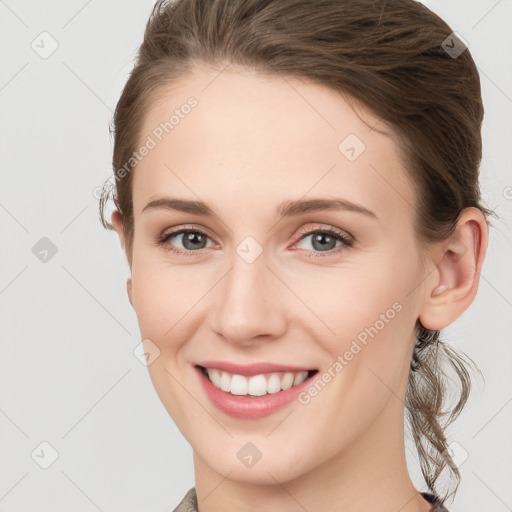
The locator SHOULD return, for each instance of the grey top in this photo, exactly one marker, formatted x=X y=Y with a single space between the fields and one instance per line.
x=189 y=502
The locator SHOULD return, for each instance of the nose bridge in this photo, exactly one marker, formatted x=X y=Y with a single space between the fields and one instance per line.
x=249 y=304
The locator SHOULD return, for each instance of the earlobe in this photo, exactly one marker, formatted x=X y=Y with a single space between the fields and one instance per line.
x=117 y=222
x=452 y=287
x=129 y=289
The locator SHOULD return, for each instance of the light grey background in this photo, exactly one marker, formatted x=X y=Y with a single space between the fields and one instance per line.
x=68 y=374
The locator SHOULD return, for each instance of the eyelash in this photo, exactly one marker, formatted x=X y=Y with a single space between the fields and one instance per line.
x=347 y=241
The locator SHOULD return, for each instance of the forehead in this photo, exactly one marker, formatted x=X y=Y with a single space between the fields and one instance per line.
x=252 y=138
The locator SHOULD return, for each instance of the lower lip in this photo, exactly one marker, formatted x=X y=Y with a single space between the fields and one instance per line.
x=250 y=407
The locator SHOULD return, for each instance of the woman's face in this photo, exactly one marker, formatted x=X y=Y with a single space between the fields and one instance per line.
x=256 y=286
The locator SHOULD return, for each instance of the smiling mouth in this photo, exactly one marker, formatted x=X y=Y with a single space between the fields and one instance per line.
x=256 y=385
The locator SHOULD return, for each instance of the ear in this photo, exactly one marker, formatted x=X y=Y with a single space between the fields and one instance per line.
x=129 y=290
x=117 y=222
x=450 y=290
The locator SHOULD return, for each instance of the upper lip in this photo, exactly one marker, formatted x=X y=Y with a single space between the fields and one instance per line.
x=251 y=369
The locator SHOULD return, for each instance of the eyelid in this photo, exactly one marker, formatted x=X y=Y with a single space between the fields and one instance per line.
x=322 y=228
x=186 y=227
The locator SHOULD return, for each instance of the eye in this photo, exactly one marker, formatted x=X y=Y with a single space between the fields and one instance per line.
x=192 y=240
x=325 y=240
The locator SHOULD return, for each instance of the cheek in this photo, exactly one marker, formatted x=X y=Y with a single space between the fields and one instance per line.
x=371 y=314
x=372 y=335
x=166 y=299
x=350 y=299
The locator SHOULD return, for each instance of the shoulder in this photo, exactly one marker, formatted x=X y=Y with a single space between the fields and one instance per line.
x=188 y=503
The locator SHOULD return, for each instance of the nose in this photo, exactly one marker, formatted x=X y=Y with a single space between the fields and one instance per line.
x=250 y=304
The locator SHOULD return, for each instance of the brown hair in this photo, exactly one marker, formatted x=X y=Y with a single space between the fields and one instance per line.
x=389 y=55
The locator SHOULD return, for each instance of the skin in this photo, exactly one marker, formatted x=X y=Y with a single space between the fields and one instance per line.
x=251 y=143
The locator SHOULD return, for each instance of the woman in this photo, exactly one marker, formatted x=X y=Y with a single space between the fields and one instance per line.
x=296 y=186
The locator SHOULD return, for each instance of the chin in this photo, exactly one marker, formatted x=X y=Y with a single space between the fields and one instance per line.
x=234 y=461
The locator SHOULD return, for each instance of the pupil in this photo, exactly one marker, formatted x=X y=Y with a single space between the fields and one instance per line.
x=189 y=238
x=322 y=246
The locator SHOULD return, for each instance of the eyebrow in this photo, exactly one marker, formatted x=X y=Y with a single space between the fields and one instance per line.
x=288 y=208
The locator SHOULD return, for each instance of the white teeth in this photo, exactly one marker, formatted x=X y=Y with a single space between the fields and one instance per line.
x=225 y=382
x=288 y=380
x=300 y=377
x=257 y=385
x=239 y=385
x=273 y=384
x=215 y=377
